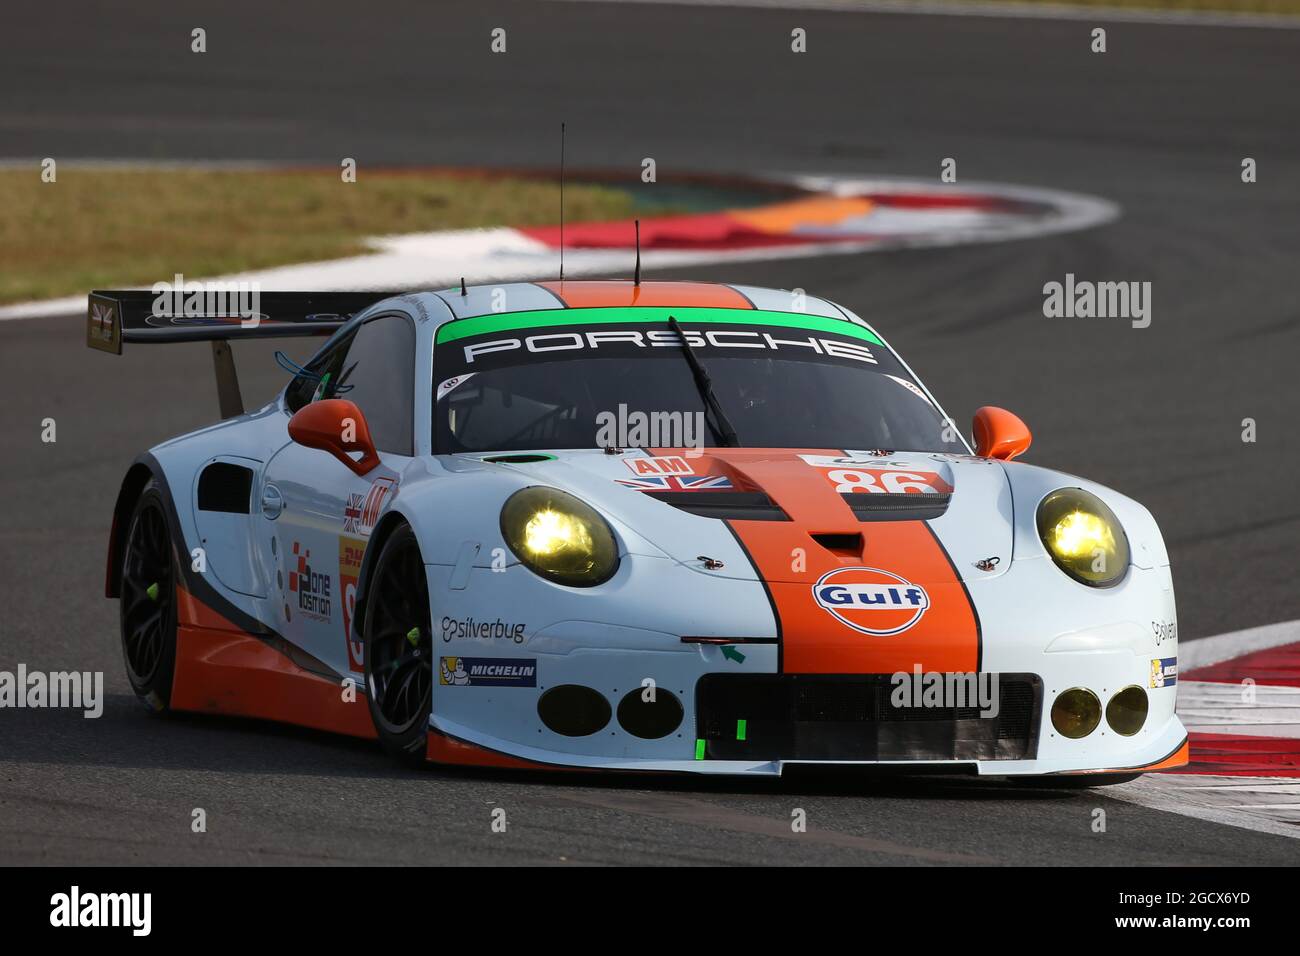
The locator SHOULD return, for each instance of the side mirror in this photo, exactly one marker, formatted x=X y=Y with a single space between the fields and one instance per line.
x=1000 y=434
x=337 y=426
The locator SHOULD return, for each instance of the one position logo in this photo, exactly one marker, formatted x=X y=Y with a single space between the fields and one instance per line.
x=871 y=601
x=312 y=587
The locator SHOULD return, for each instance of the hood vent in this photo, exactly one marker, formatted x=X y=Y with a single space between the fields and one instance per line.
x=896 y=507
x=735 y=505
x=523 y=458
x=843 y=545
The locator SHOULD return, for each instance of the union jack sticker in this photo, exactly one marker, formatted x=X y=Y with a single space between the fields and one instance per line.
x=103 y=329
x=361 y=512
x=677 y=483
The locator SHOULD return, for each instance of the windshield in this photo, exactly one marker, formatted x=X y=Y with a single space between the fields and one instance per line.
x=586 y=378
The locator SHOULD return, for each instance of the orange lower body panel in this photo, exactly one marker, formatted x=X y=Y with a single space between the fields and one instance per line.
x=1179 y=758
x=444 y=749
x=221 y=669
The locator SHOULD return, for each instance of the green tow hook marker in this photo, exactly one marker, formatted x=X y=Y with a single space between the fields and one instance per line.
x=413 y=635
x=152 y=591
x=699 y=749
x=742 y=728
x=731 y=654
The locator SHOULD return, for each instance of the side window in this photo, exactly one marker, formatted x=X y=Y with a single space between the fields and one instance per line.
x=303 y=388
x=378 y=373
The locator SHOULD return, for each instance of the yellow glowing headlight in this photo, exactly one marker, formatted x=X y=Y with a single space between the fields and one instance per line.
x=1083 y=536
x=559 y=537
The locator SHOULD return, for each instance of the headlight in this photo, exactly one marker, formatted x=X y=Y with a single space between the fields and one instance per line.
x=1083 y=537
x=559 y=537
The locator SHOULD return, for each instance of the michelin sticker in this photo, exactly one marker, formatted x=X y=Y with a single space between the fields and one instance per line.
x=487 y=672
x=1164 y=672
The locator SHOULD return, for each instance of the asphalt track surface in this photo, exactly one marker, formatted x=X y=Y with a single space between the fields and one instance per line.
x=1159 y=124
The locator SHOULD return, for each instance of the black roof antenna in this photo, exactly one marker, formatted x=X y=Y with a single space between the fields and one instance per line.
x=462 y=286
x=561 y=202
x=636 y=276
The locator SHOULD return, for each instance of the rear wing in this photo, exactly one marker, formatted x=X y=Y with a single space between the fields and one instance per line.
x=150 y=318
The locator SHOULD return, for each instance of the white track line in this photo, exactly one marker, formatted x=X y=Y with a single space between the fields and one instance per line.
x=1226 y=647
x=1253 y=803
x=1004 y=11
x=1265 y=804
x=1211 y=708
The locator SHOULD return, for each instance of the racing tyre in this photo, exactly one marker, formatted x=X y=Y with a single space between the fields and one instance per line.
x=147 y=607
x=398 y=639
x=1076 y=781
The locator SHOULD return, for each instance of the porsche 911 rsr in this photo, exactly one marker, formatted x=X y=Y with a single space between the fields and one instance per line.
x=634 y=526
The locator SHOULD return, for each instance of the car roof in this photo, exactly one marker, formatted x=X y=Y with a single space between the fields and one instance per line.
x=508 y=297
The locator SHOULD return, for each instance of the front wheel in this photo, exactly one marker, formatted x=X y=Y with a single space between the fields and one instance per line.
x=147 y=607
x=398 y=640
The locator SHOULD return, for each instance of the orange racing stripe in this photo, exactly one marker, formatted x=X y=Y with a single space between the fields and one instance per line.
x=945 y=638
x=790 y=561
x=591 y=294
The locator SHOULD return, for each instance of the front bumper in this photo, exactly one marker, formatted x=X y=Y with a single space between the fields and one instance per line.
x=501 y=725
x=1019 y=740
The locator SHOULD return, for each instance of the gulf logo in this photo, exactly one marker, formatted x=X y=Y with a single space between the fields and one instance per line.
x=871 y=601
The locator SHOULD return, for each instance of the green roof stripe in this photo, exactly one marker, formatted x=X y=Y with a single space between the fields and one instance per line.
x=636 y=315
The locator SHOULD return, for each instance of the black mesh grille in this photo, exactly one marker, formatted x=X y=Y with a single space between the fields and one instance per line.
x=740 y=505
x=905 y=506
x=225 y=487
x=855 y=717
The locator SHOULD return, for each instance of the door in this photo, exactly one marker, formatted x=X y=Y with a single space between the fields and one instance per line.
x=317 y=513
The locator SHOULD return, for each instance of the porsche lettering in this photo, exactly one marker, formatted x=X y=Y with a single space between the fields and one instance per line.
x=548 y=342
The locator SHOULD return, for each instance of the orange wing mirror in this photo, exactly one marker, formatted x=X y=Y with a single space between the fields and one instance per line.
x=337 y=426
x=1000 y=434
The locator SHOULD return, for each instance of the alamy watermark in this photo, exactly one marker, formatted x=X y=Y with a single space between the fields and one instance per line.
x=1084 y=299
x=933 y=689
x=76 y=909
x=77 y=690
x=636 y=429
x=179 y=300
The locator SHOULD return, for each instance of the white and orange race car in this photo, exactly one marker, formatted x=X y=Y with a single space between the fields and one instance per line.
x=633 y=526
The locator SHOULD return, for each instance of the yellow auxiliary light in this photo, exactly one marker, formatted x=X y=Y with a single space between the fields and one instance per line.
x=1127 y=711
x=1083 y=536
x=1076 y=713
x=559 y=537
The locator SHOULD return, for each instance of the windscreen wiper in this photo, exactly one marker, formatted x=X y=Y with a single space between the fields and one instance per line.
x=722 y=425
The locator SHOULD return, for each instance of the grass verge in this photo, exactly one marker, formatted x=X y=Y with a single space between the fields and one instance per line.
x=106 y=228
